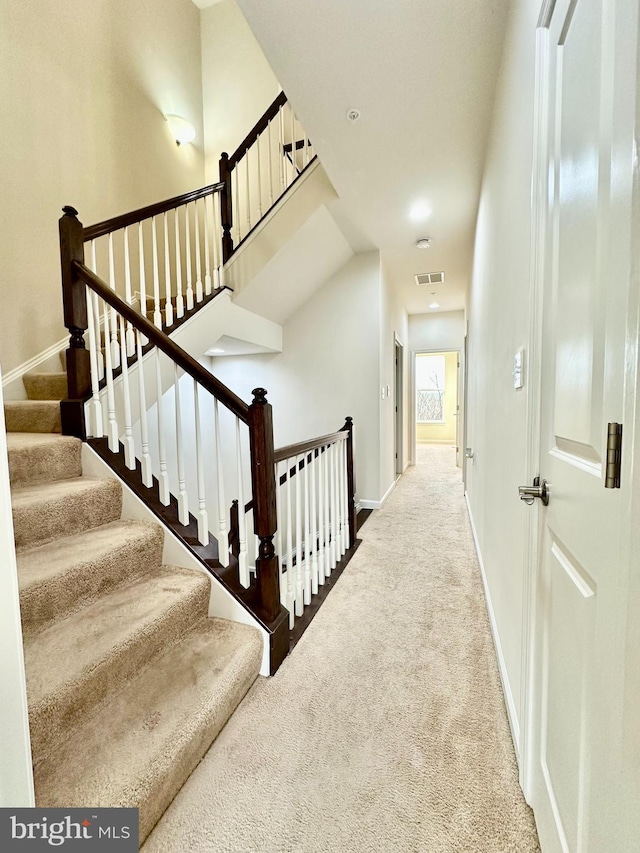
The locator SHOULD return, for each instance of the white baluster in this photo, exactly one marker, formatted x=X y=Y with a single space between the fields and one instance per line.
x=203 y=518
x=334 y=506
x=183 y=500
x=281 y=151
x=314 y=545
x=242 y=516
x=279 y=523
x=223 y=533
x=196 y=228
x=341 y=503
x=143 y=279
x=321 y=525
x=236 y=206
x=345 y=499
x=299 y=544
x=293 y=146
x=95 y=408
x=96 y=318
x=157 y=314
x=306 y=149
x=113 y=321
x=270 y=161
x=217 y=248
x=129 y=445
x=327 y=511
x=307 y=531
x=291 y=592
x=130 y=334
x=163 y=477
x=179 y=296
x=168 y=304
x=112 y=425
x=207 y=249
x=259 y=180
x=246 y=178
x=187 y=228
x=145 y=462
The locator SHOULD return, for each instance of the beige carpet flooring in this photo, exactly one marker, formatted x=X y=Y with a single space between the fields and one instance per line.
x=385 y=730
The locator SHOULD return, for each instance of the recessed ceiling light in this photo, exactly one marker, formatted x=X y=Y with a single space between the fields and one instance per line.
x=434 y=305
x=215 y=351
x=419 y=211
x=353 y=114
x=423 y=243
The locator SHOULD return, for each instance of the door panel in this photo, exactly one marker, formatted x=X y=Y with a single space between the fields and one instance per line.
x=581 y=577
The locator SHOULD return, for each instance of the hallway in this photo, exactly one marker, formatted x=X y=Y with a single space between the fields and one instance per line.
x=385 y=730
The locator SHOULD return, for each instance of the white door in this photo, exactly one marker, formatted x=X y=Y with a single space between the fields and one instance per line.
x=588 y=76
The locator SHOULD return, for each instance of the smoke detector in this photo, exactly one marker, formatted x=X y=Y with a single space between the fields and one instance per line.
x=423 y=243
x=353 y=114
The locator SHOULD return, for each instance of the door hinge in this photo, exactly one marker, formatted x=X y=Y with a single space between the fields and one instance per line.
x=614 y=456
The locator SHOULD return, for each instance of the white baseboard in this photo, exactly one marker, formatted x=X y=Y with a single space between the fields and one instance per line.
x=365 y=504
x=512 y=713
x=12 y=386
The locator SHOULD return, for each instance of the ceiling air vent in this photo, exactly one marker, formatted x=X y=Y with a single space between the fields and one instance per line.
x=429 y=278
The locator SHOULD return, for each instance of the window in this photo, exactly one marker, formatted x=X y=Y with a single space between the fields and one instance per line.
x=430 y=389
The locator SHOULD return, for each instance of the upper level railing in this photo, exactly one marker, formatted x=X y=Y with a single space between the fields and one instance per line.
x=266 y=163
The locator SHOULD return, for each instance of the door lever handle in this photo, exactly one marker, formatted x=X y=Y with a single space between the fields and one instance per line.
x=539 y=490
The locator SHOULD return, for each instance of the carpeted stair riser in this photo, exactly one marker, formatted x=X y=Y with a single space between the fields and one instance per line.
x=58 y=578
x=35 y=458
x=130 y=757
x=104 y=645
x=45 y=386
x=32 y=416
x=52 y=510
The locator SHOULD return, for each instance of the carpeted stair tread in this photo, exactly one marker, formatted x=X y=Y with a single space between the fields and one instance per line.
x=40 y=457
x=45 y=386
x=139 y=748
x=77 y=661
x=32 y=415
x=58 y=577
x=48 y=511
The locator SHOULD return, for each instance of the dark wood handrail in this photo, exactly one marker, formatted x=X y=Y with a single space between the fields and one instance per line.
x=164 y=343
x=91 y=232
x=257 y=129
x=302 y=447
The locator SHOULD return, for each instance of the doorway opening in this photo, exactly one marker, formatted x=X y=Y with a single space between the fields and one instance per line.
x=437 y=404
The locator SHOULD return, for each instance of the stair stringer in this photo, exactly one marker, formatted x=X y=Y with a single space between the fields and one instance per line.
x=222 y=603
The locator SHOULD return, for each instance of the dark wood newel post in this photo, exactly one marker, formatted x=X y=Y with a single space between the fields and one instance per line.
x=351 y=483
x=263 y=480
x=226 y=207
x=74 y=299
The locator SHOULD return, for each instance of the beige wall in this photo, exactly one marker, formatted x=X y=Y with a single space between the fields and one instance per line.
x=498 y=326
x=444 y=433
x=237 y=81
x=84 y=85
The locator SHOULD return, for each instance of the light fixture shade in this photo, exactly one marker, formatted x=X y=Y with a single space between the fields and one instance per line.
x=181 y=129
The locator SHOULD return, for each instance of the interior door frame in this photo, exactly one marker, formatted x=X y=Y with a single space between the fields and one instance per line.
x=460 y=397
x=533 y=387
x=398 y=399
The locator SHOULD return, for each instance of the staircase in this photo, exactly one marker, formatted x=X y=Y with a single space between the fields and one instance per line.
x=128 y=680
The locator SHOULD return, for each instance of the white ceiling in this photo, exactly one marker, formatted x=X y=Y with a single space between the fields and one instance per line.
x=422 y=75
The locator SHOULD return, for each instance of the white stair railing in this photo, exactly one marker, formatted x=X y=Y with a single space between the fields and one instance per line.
x=264 y=166
x=174 y=238
x=314 y=525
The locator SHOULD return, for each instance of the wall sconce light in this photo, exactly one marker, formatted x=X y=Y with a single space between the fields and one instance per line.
x=181 y=129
